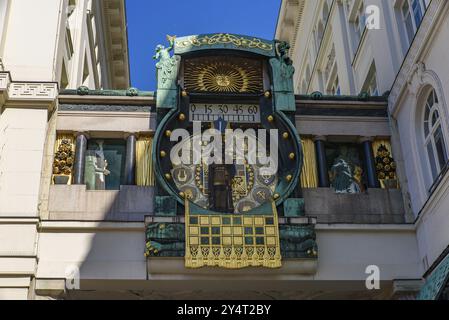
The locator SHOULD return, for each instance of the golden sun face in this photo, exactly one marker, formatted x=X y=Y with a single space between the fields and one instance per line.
x=225 y=75
x=223 y=80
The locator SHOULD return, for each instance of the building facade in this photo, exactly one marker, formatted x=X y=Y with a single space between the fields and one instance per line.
x=390 y=48
x=92 y=207
x=45 y=46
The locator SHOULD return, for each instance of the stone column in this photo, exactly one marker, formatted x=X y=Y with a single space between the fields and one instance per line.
x=130 y=164
x=80 y=158
x=370 y=162
x=323 y=175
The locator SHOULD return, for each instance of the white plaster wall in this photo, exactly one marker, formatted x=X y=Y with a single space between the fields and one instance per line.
x=13 y=293
x=22 y=141
x=17 y=239
x=344 y=254
x=31 y=39
x=114 y=254
x=109 y=255
x=432 y=229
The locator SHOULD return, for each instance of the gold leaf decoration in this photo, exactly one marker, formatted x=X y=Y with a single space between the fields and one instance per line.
x=225 y=39
x=223 y=75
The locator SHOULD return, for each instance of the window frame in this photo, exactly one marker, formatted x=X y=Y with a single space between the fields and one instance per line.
x=412 y=5
x=429 y=134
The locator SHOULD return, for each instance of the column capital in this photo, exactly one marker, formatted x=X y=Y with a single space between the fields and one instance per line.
x=319 y=138
x=81 y=133
x=126 y=135
x=366 y=139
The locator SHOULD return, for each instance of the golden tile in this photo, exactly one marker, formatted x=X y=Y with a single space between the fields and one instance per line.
x=271 y=231
x=238 y=241
x=227 y=241
x=194 y=231
x=194 y=241
x=271 y=241
x=216 y=221
x=247 y=221
x=227 y=231
x=204 y=220
x=238 y=231
x=259 y=221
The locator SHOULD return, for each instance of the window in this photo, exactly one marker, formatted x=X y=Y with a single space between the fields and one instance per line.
x=370 y=85
x=434 y=136
x=412 y=14
x=335 y=90
x=361 y=19
x=3 y=10
x=417 y=12
x=105 y=164
x=408 y=21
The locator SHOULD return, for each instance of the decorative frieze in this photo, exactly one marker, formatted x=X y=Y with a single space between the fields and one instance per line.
x=33 y=91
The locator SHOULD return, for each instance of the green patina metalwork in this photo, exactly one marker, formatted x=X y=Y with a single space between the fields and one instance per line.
x=127 y=93
x=168 y=239
x=165 y=240
x=84 y=91
x=165 y=206
x=167 y=75
x=436 y=282
x=294 y=208
x=283 y=71
x=298 y=241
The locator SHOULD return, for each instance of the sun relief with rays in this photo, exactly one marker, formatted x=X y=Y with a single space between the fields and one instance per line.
x=223 y=74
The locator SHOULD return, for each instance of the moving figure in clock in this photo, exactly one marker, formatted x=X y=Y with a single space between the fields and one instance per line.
x=220 y=188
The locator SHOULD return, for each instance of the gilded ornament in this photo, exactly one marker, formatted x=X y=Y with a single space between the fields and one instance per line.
x=224 y=38
x=223 y=75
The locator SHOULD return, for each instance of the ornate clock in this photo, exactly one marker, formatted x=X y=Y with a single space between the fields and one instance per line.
x=241 y=89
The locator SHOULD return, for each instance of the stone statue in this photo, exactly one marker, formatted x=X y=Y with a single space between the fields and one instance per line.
x=344 y=174
x=283 y=72
x=286 y=67
x=96 y=168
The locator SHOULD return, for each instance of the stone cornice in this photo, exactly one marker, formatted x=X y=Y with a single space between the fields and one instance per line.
x=104 y=108
x=34 y=94
x=290 y=19
x=419 y=44
x=114 y=24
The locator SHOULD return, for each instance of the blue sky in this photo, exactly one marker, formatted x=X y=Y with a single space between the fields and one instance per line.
x=149 y=21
